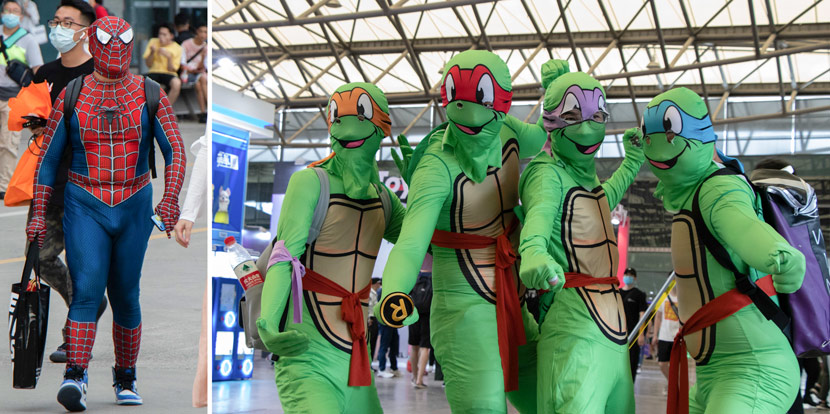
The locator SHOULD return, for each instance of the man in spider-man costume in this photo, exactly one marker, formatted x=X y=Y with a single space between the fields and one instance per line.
x=107 y=218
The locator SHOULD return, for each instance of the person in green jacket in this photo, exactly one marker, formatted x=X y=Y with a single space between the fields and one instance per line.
x=568 y=241
x=319 y=333
x=463 y=186
x=744 y=362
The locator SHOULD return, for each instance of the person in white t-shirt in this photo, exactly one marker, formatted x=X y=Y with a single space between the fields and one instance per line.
x=667 y=326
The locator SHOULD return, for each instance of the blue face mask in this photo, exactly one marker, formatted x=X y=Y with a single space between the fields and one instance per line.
x=63 y=39
x=11 y=20
x=628 y=280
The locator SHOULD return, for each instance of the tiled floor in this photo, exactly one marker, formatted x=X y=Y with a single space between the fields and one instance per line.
x=397 y=396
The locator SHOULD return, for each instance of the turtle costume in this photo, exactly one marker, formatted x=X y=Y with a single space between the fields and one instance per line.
x=463 y=186
x=323 y=364
x=744 y=362
x=568 y=240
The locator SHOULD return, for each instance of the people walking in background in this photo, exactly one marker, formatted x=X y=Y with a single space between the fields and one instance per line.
x=31 y=17
x=22 y=46
x=373 y=322
x=419 y=331
x=667 y=324
x=182 y=22
x=164 y=57
x=194 y=71
x=634 y=302
x=98 y=6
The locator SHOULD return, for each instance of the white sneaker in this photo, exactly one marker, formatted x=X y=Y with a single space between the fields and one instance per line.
x=430 y=368
x=385 y=374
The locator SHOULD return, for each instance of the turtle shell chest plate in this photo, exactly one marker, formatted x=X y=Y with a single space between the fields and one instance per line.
x=345 y=253
x=591 y=248
x=486 y=209
x=693 y=288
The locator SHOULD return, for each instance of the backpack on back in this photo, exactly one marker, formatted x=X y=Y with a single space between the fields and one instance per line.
x=152 y=97
x=422 y=294
x=789 y=206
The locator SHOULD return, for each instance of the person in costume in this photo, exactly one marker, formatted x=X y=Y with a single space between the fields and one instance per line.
x=108 y=202
x=463 y=186
x=568 y=241
x=319 y=333
x=744 y=362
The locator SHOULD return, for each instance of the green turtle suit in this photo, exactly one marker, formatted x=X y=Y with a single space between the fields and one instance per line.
x=583 y=357
x=463 y=186
x=321 y=356
x=744 y=362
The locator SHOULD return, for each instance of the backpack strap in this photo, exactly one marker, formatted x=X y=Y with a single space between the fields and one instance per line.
x=152 y=95
x=11 y=40
x=743 y=283
x=322 y=206
x=385 y=201
x=70 y=98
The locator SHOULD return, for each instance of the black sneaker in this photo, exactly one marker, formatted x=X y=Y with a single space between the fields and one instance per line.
x=59 y=356
x=2 y=195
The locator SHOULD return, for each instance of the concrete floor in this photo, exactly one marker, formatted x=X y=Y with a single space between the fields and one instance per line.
x=172 y=285
x=397 y=396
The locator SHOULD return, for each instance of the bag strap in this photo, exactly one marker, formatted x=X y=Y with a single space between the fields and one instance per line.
x=11 y=40
x=152 y=95
x=32 y=263
x=198 y=52
x=70 y=98
x=743 y=283
x=322 y=205
x=385 y=201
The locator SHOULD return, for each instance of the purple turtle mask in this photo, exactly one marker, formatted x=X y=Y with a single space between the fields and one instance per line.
x=589 y=101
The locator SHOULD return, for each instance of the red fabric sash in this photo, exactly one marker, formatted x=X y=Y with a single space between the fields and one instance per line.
x=711 y=313
x=351 y=312
x=508 y=312
x=575 y=280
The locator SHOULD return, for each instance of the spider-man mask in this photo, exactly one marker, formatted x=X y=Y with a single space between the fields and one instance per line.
x=111 y=44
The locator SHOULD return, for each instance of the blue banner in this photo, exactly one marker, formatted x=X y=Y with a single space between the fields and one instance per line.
x=230 y=177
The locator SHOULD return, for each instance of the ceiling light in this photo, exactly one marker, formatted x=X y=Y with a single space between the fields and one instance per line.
x=226 y=62
x=653 y=65
x=334 y=4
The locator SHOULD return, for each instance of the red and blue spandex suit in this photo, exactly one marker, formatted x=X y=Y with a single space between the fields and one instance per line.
x=108 y=200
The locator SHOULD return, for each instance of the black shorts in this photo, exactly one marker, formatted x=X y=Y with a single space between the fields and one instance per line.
x=664 y=351
x=419 y=332
x=162 y=78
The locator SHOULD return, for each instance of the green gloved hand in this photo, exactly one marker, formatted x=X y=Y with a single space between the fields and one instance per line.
x=290 y=343
x=402 y=160
x=792 y=266
x=633 y=145
x=553 y=69
x=539 y=271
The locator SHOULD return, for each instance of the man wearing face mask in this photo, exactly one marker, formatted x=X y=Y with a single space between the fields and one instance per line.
x=67 y=34
x=634 y=303
x=19 y=45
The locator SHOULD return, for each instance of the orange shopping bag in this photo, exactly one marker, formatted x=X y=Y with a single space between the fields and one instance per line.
x=22 y=182
x=31 y=101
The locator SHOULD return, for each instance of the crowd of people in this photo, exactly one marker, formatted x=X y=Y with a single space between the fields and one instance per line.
x=176 y=58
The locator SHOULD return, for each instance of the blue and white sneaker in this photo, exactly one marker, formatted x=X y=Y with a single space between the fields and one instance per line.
x=123 y=381
x=72 y=393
